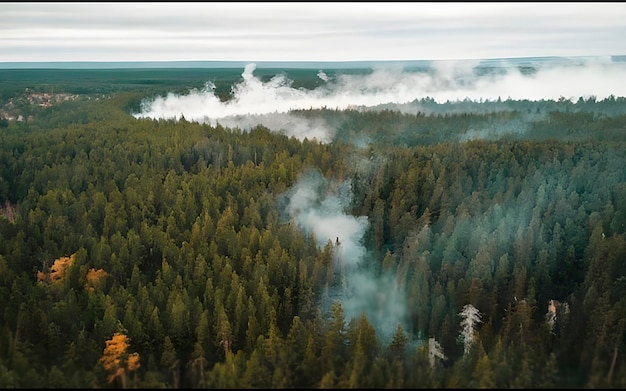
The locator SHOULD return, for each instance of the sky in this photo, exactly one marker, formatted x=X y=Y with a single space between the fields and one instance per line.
x=307 y=31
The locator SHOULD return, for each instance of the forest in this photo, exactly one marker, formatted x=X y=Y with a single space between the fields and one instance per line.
x=481 y=245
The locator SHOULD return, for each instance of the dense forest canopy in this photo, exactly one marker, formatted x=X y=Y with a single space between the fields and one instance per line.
x=420 y=244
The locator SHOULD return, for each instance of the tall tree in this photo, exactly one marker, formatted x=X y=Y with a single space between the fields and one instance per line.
x=471 y=317
x=117 y=361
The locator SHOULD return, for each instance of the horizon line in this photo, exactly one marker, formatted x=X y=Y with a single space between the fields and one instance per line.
x=261 y=64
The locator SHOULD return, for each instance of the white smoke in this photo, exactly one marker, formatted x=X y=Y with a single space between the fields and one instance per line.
x=319 y=207
x=269 y=103
x=322 y=75
x=288 y=124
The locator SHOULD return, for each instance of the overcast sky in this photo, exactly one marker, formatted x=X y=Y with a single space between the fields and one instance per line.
x=307 y=31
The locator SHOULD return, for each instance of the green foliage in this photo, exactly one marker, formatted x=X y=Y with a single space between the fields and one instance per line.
x=179 y=241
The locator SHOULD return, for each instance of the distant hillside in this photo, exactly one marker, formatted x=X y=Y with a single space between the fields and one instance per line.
x=208 y=64
x=278 y=64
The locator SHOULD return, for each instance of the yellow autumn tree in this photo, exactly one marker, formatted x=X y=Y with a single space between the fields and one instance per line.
x=95 y=279
x=57 y=271
x=117 y=361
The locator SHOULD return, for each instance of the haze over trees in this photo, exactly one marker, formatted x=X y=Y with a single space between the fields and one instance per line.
x=431 y=244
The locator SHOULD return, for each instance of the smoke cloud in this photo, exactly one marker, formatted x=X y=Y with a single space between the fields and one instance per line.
x=319 y=207
x=269 y=103
x=322 y=75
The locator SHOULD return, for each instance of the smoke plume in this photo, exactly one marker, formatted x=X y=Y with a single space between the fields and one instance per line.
x=318 y=207
x=269 y=103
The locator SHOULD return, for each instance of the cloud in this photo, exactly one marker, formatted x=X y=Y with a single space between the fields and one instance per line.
x=308 y=31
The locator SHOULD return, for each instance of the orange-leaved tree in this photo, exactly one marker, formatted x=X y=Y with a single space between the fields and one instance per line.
x=57 y=271
x=116 y=360
x=95 y=279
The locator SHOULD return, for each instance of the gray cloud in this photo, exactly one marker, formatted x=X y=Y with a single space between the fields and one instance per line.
x=309 y=31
